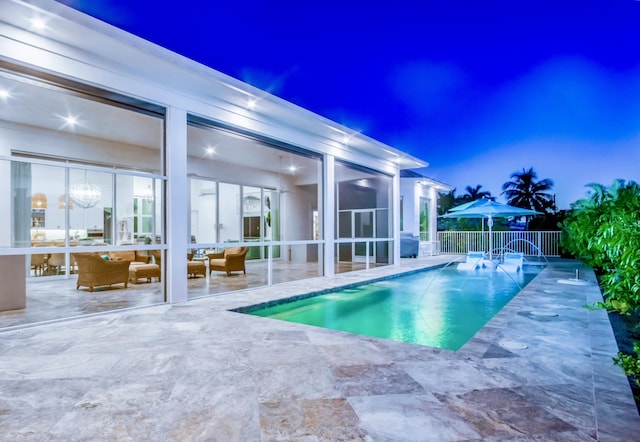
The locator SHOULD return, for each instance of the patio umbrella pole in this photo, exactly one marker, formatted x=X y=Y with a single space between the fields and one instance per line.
x=490 y=224
x=482 y=235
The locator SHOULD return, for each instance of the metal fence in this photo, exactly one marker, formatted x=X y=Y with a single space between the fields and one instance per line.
x=532 y=243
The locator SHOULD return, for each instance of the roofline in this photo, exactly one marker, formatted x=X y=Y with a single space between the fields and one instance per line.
x=338 y=135
x=424 y=180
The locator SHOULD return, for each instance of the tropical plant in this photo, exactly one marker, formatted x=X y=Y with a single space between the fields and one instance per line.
x=446 y=201
x=526 y=192
x=630 y=364
x=604 y=231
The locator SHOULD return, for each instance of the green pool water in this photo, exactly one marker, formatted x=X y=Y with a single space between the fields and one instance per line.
x=441 y=308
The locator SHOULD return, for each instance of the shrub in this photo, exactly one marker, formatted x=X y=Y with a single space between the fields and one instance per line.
x=603 y=230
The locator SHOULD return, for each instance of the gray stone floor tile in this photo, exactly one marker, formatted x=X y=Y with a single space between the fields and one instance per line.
x=410 y=418
x=310 y=420
x=196 y=371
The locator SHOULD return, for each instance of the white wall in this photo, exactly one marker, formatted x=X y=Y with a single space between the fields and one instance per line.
x=297 y=219
x=411 y=193
x=408 y=194
x=68 y=145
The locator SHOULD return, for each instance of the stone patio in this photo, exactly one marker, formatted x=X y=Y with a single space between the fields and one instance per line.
x=197 y=371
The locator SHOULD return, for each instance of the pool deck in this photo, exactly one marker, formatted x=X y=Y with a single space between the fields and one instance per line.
x=539 y=370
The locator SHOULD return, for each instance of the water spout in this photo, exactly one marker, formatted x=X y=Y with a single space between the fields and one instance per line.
x=574 y=281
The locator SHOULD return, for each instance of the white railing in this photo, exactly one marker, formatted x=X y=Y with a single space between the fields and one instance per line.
x=531 y=243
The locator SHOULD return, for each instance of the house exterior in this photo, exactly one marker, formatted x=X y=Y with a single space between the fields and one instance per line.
x=419 y=208
x=110 y=143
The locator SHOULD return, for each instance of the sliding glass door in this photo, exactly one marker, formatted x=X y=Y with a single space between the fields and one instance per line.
x=363 y=227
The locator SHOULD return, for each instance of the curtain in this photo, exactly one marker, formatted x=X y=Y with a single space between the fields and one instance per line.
x=21 y=185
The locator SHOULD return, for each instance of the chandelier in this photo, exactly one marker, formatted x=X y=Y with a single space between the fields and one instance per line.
x=85 y=194
x=38 y=201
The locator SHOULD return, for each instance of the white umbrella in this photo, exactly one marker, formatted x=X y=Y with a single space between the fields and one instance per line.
x=468 y=205
x=488 y=209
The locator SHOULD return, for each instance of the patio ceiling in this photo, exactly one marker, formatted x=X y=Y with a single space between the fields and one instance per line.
x=166 y=77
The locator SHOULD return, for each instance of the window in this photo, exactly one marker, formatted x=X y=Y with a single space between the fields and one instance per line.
x=143 y=217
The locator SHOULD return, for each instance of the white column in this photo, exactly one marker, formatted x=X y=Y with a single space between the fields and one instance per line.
x=396 y=217
x=177 y=206
x=320 y=202
x=433 y=214
x=5 y=202
x=329 y=214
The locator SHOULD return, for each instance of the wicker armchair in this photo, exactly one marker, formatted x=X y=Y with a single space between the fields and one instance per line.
x=230 y=260
x=94 y=271
x=55 y=263
x=38 y=262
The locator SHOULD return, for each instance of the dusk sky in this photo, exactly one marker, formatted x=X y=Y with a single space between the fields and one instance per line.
x=479 y=89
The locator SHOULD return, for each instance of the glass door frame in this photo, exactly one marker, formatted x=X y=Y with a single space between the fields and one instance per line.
x=358 y=249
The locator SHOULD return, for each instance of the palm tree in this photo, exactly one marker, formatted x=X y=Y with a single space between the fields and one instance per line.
x=446 y=201
x=599 y=194
x=474 y=193
x=524 y=191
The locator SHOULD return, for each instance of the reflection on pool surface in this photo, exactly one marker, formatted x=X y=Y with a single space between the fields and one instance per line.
x=441 y=308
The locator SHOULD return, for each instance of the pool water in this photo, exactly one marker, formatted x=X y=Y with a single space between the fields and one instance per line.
x=441 y=308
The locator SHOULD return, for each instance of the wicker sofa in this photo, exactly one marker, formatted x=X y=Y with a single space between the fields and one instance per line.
x=230 y=260
x=133 y=256
x=95 y=271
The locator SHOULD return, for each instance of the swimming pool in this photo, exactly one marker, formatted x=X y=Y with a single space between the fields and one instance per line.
x=441 y=308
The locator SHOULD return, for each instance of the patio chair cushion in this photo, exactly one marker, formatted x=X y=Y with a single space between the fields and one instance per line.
x=142 y=271
x=195 y=268
x=134 y=257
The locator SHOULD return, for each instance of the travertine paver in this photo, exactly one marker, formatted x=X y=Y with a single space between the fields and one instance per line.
x=197 y=371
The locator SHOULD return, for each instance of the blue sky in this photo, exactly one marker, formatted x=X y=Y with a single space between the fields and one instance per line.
x=477 y=89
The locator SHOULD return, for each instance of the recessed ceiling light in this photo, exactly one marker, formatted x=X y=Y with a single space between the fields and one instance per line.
x=70 y=120
x=4 y=94
x=38 y=23
x=251 y=104
x=292 y=168
x=210 y=150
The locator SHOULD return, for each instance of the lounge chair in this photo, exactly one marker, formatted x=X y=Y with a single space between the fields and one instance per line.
x=475 y=260
x=512 y=262
x=409 y=245
x=230 y=260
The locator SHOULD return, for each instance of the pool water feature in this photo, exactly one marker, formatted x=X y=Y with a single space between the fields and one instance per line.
x=441 y=308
